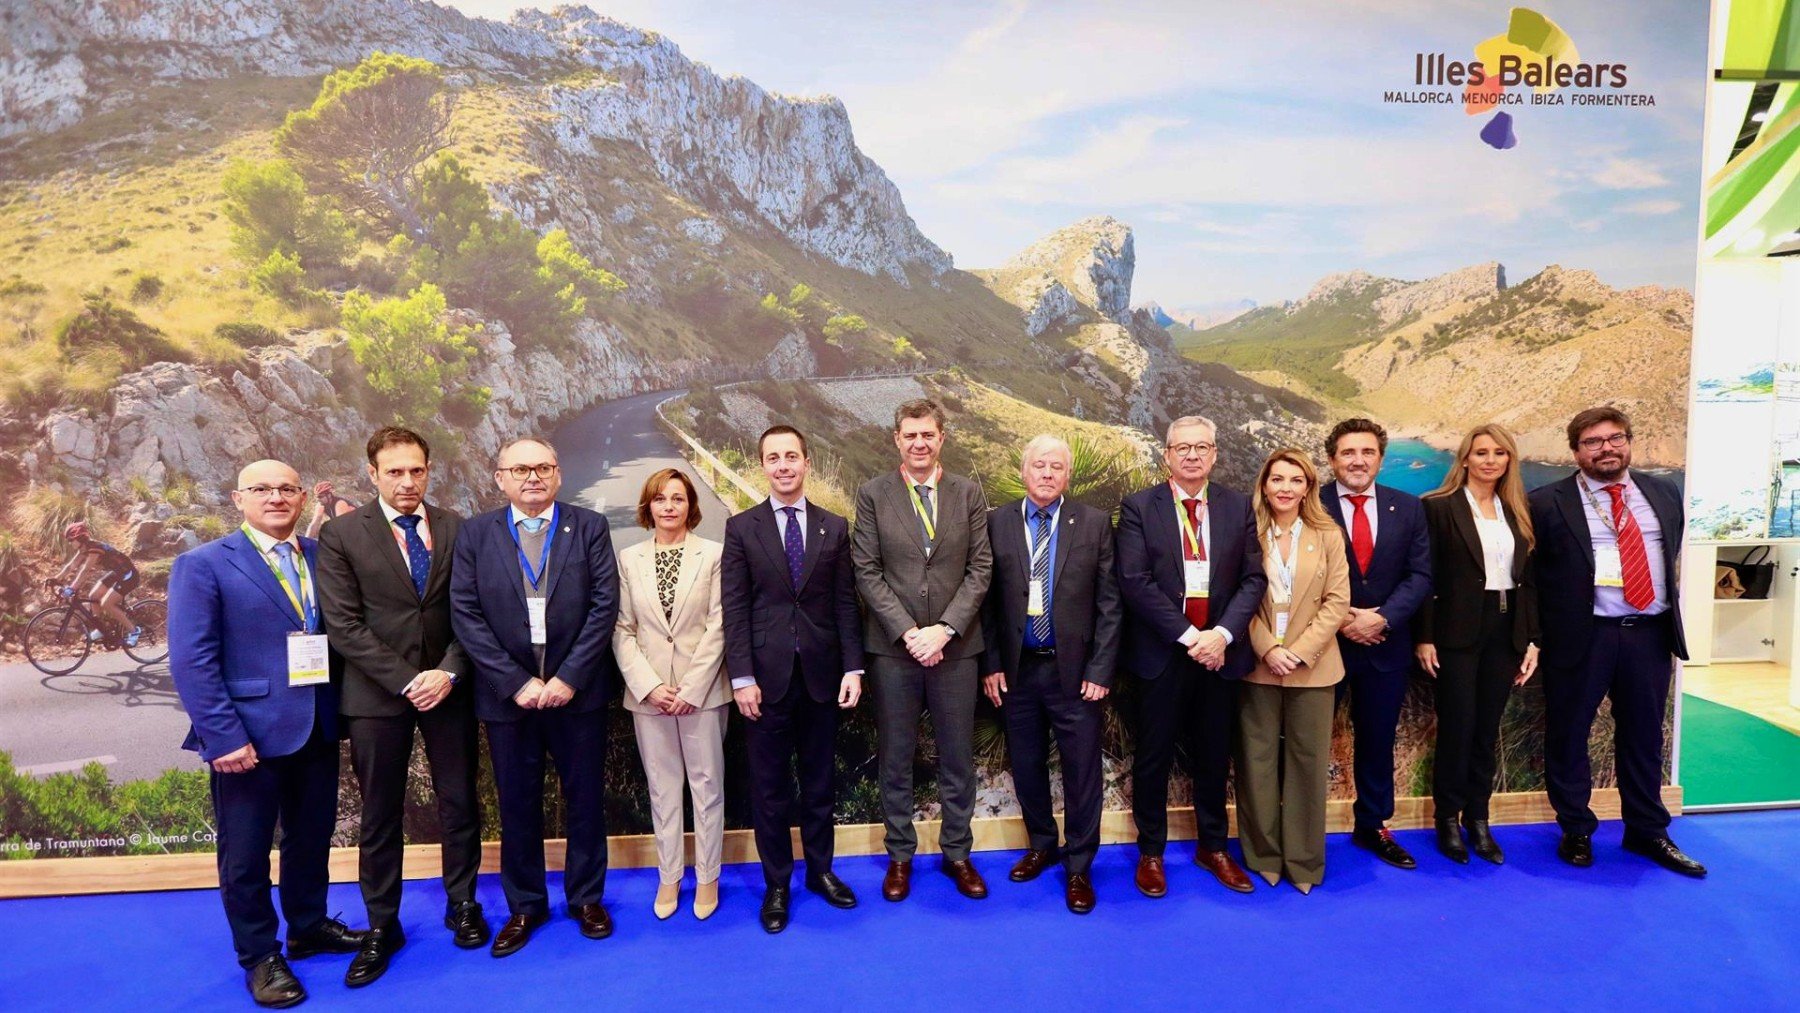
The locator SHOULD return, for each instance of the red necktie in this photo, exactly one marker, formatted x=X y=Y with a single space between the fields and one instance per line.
x=1362 y=540
x=1195 y=607
x=1640 y=591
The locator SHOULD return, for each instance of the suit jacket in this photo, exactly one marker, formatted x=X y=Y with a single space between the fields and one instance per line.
x=768 y=623
x=686 y=652
x=229 y=621
x=386 y=632
x=1565 y=564
x=900 y=586
x=488 y=611
x=1085 y=610
x=1399 y=577
x=1451 y=618
x=1149 y=559
x=1321 y=600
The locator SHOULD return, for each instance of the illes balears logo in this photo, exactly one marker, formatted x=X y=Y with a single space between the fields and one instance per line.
x=1534 y=53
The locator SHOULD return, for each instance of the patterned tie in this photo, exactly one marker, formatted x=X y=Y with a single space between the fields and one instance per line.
x=930 y=511
x=284 y=552
x=1640 y=590
x=792 y=545
x=1362 y=540
x=1040 y=572
x=418 y=557
x=1196 y=608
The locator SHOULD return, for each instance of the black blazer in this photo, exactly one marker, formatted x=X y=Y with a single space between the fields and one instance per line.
x=1565 y=564
x=1085 y=607
x=1451 y=617
x=1399 y=577
x=375 y=618
x=1148 y=555
x=767 y=622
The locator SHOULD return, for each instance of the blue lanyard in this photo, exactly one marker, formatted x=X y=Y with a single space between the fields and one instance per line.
x=543 y=561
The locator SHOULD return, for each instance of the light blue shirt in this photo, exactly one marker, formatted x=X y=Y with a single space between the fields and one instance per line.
x=1610 y=601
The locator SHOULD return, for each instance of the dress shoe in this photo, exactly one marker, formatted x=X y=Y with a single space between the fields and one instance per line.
x=466 y=921
x=1481 y=841
x=1079 y=893
x=1663 y=852
x=1380 y=842
x=371 y=961
x=1151 y=881
x=1228 y=872
x=1031 y=865
x=329 y=936
x=668 y=898
x=898 y=881
x=517 y=931
x=968 y=882
x=706 y=899
x=1450 y=842
x=836 y=892
x=595 y=922
x=272 y=983
x=1576 y=849
x=774 y=909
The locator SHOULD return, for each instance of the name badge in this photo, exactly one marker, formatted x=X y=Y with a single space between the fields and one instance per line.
x=1034 y=599
x=1281 y=623
x=1198 y=575
x=309 y=659
x=534 y=609
x=1609 y=571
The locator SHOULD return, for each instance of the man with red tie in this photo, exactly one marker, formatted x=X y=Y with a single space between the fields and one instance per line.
x=1610 y=615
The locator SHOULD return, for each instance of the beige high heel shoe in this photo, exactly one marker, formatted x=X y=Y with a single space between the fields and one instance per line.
x=1270 y=878
x=668 y=898
x=706 y=899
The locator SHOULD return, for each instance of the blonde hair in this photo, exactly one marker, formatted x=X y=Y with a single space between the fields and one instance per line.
x=1312 y=512
x=1510 y=488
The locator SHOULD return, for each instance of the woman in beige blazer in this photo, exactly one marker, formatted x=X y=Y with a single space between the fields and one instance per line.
x=670 y=642
x=1285 y=706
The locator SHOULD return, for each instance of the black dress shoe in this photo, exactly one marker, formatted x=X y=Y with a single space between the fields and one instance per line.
x=1382 y=844
x=1481 y=841
x=272 y=983
x=836 y=892
x=595 y=922
x=1450 y=842
x=371 y=961
x=517 y=932
x=467 y=922
x=1663 y=852
x=1031 y=865
x=1576 y=849
x=329 y=936
x=774 y=909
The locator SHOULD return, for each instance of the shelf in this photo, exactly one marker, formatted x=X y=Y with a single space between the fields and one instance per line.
x=1742 y=601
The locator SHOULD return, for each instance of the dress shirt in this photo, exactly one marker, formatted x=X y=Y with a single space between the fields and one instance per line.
x=1497 y=544
x=265 y=544
x=1349 y=510
x=399 y=532
x=1181 y=496
x=1028 y=509
x=1610 y=601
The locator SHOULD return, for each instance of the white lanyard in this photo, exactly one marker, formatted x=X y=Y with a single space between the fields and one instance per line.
x=1031 y=537
x=1284 y=569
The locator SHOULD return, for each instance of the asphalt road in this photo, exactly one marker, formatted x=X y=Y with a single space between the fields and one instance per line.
x=607 y=453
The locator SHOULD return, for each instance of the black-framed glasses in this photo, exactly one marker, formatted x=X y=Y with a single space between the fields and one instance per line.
x=1191 y=449
x=1615 y=441
x=521 y=472
x=266 y=491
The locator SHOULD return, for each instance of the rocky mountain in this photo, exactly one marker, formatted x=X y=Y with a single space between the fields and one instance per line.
x=1197 y=318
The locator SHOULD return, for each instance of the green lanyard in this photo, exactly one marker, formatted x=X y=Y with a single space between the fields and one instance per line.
x=919 y=508
x=1187 y=523
x=299 y=567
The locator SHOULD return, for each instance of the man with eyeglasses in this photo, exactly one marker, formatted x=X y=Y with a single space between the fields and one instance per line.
x=258 y=680
x=534 y=595
x=1610 y=614
x=1191 y=574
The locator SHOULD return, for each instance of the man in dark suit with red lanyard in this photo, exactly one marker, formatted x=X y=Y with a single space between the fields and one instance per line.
x=1610 y=615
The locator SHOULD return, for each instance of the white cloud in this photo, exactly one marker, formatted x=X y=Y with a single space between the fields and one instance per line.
x=1629 y=174
x=985 y=36
x=1651 y=207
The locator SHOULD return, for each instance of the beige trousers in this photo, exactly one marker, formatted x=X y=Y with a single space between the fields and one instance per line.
x=693 y=747
x=1283 y=771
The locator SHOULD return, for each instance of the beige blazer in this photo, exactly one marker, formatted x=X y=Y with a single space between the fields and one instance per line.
x=687 y=652
x=1321 y=601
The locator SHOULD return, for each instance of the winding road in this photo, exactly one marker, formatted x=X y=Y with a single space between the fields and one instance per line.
x=609 y=450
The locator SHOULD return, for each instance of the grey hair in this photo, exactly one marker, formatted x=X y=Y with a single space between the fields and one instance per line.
x=1041 y=444
x=1191 y=420
x=539 y=440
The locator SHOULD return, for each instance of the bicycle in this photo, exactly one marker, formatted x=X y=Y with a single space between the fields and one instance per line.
x=59 y=638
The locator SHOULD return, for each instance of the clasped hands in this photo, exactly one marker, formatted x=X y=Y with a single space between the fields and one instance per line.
x=1364 y=626
x=1282 y=662
x=428 y=689
x=926 y=645
x=544 y=694
x=1209 y=649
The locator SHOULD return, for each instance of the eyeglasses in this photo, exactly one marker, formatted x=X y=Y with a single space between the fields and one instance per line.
x=1615 y=441
x=1191 y=449
x=521 y=472
x=266 y=491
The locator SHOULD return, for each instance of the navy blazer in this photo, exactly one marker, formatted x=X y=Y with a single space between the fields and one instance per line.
x=487 y=610
x=1399 y=577
x=1084 y=595
x=229 y=621
x=1149 y=556
x=1565 y=564
x=768 y=622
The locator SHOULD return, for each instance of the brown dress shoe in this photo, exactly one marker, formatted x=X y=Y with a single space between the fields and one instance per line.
x=1031 y=865
x=1151 y=882
x=898 y=881
x=1079 y=893
x=968 y=882
x=1228 y=872
x=517 y=932
x=595 y=922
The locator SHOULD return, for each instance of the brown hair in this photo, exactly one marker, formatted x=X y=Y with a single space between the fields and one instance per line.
x=1594 y=416
x=1348 y=426
x=918 y=408
x=1312 y=512
x=1510 y=488
x=396 y=436
x=784 y=430
x=654 y=484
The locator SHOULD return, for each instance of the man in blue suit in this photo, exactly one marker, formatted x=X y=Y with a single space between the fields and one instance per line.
x=534 y=594
x=255 y=677
x=1390 y=577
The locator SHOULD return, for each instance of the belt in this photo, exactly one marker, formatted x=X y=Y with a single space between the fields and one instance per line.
x=1038 y=652
x=1627 y=622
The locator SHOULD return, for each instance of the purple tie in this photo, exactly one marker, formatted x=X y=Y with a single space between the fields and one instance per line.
x=790 y=542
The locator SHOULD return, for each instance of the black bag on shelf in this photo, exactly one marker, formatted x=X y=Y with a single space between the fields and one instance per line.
x=1755 y=571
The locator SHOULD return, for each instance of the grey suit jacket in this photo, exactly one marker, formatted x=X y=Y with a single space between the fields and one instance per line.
x=900 y=586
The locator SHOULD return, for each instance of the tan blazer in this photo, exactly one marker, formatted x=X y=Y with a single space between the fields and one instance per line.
x=1321 y=601
x=688 y=652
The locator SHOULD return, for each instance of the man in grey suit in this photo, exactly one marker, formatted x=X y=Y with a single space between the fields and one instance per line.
x=920 y=550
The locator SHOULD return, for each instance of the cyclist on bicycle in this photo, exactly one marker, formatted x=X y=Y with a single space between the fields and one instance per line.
x=115 y=576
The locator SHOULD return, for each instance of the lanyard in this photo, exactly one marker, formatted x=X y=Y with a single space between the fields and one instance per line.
x=1605 y=516
x=919 y=504
x=304 y=611
x=1284 y=569
x=1031 y=536
x=543 y=560
x=1188 y=532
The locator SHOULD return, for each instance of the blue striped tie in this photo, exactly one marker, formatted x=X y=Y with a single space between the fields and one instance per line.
x=1040 y=572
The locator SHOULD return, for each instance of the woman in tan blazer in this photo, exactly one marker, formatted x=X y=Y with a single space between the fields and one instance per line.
x=670 y=642
x=1285 y=706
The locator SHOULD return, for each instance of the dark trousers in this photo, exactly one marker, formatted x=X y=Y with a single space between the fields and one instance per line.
x=1375 y=699
x=381 y=752
x=576 y=742
x=904 y=689
x=1192 y=704
x=1473 y=685
x=799 y=731
x=1035 y=705
x=1632 y=665
x=299 y=791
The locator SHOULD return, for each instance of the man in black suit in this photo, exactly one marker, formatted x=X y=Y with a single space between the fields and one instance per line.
x=793 y=649
x=1609 y=611
x=1191 y=575
x=1052 y=639
x=1390 y=577
x=534 y=596
x=384 y=571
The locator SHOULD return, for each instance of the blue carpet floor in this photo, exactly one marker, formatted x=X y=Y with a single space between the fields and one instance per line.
x=1534 y=934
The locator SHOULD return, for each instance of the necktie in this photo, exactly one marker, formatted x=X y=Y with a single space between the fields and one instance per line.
x=793 y=546
x=1196 y=608
x=418 y=557
x=1362 y=540
x=284 y=554
x=532 y=525
x=924 y=492
x=1040 y=572
x=1640 y=590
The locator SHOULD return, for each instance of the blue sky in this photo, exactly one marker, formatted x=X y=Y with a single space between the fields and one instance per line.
x=1246 y=143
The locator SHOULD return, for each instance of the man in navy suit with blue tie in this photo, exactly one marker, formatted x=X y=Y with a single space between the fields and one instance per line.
x=1390 y=577
x=255 y=676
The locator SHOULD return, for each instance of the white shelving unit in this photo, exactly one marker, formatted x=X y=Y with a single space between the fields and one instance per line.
x=1726 y=630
